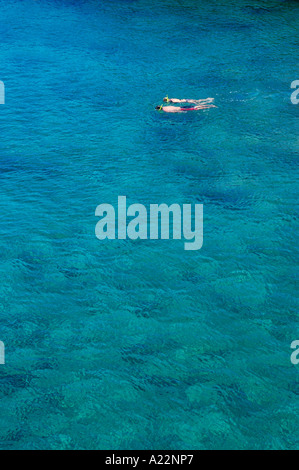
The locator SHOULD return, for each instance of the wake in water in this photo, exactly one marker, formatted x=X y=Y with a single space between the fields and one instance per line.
x=241 y=96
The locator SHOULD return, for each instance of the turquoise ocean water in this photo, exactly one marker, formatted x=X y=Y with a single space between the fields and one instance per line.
x=142 y=345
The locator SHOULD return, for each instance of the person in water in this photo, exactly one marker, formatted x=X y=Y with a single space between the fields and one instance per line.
x=179 y=109
x=175 y=100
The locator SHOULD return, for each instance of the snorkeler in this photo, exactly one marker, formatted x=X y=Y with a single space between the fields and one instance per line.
x=175 y=100
x=179 y=109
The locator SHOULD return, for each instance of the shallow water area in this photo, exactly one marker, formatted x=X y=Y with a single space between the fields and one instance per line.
x=142 y=345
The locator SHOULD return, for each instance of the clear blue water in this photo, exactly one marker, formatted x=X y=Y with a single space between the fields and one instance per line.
x=142 y=345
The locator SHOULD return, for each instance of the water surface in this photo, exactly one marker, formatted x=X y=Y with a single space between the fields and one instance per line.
x=142 y=345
